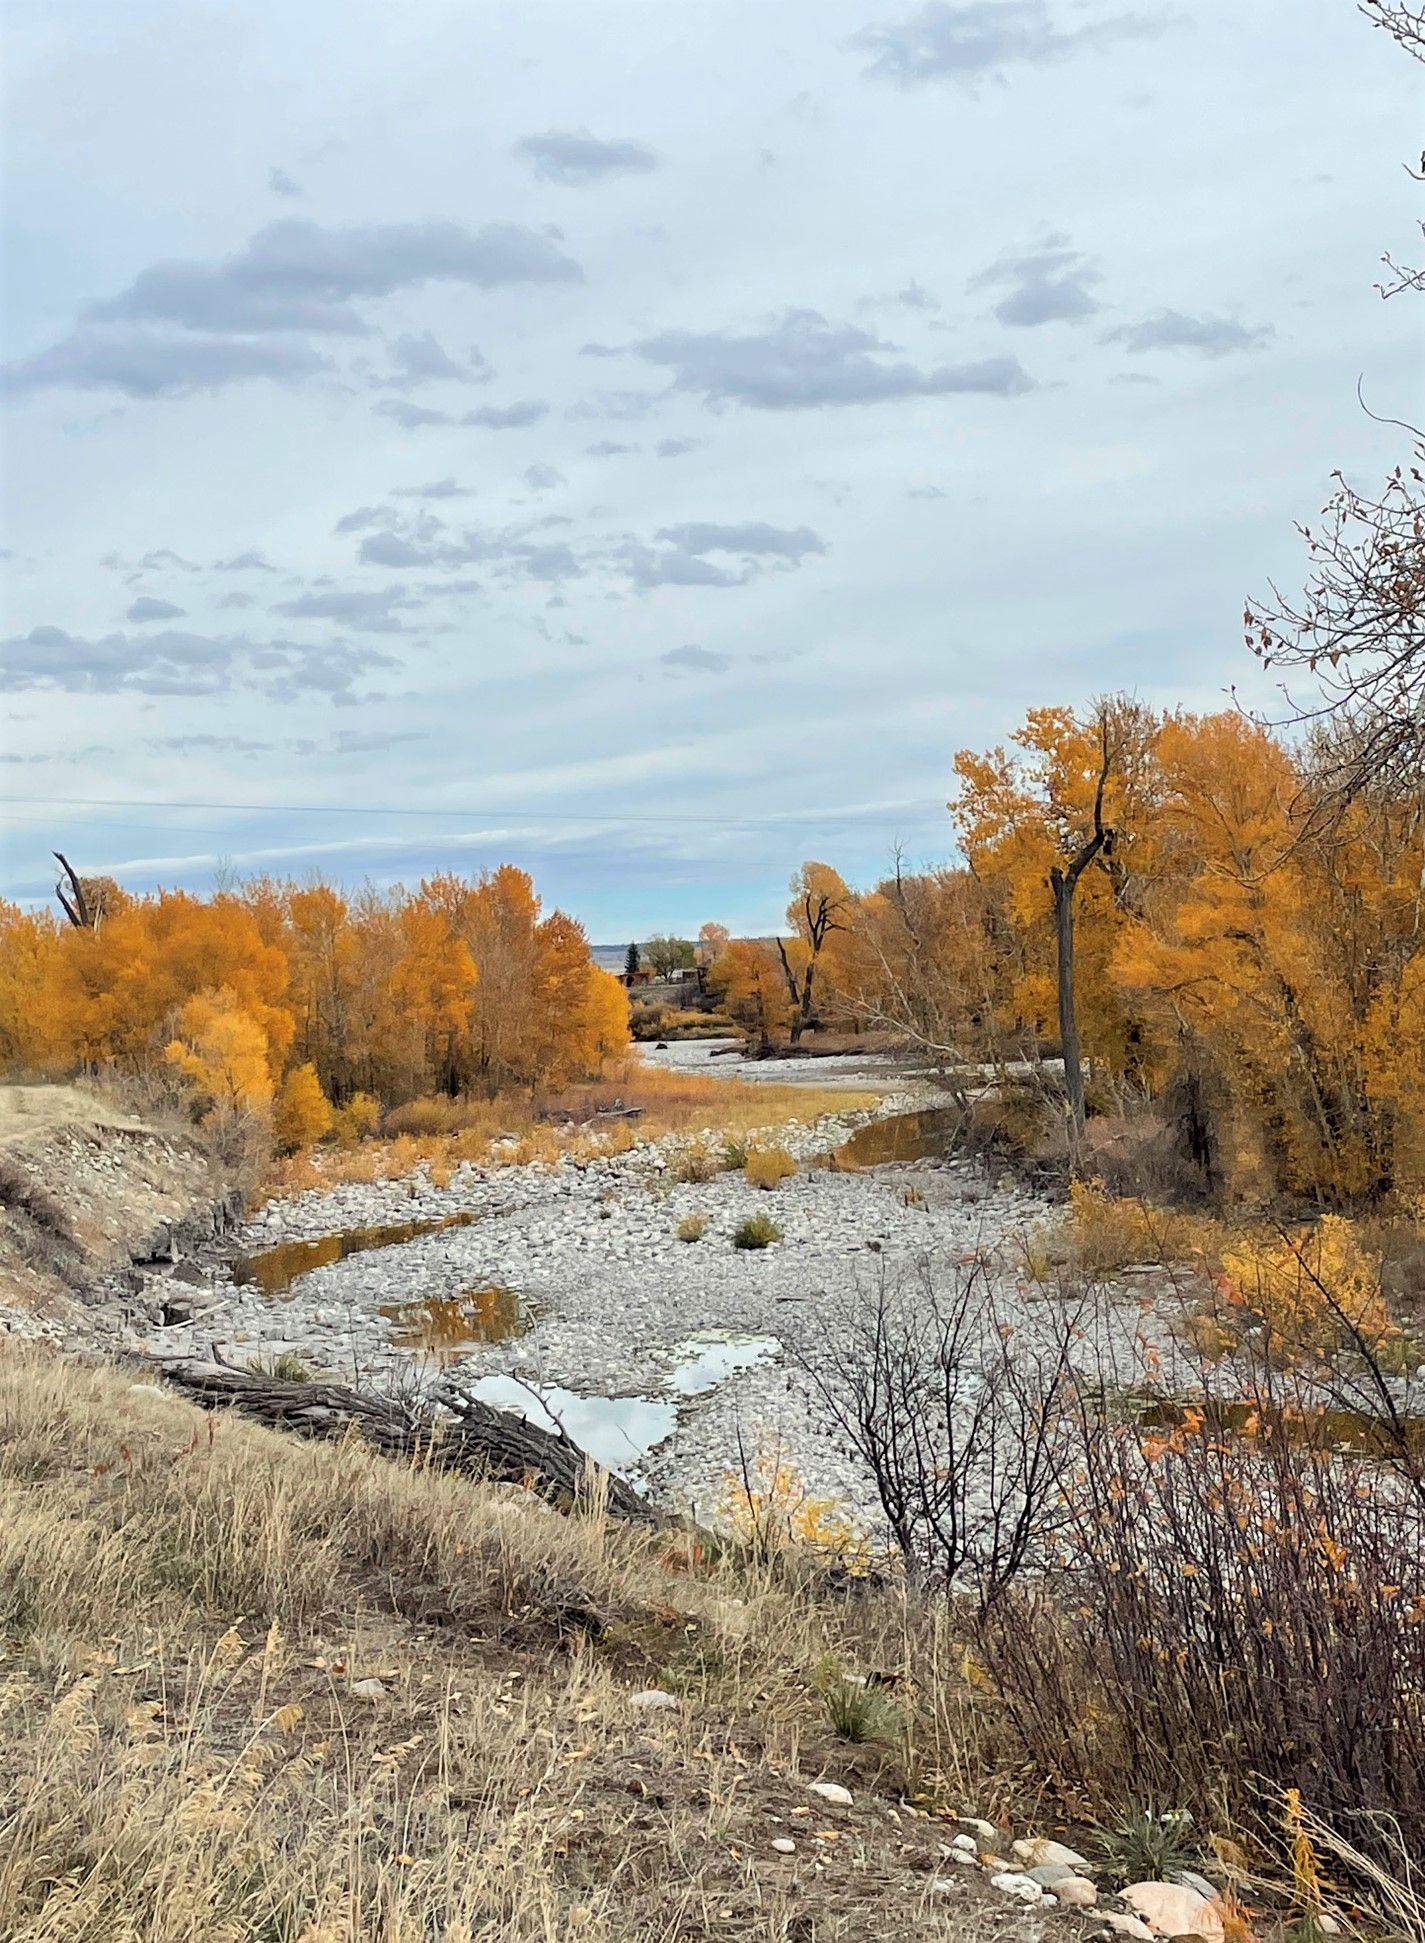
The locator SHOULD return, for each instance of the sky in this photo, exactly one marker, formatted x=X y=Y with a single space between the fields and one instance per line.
x=645 y=443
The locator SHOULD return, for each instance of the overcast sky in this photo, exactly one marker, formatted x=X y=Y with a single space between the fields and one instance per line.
x=653 y=439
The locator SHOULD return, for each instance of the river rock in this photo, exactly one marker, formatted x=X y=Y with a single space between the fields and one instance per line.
x=1076 y=1892
x=1170 y=1909
x=1050 y=1874
x=1128 y=1926
x=1018 y=1886
x=832 y=1791
x=1039 y=1853
x=784 y=1845
x=652 y=1698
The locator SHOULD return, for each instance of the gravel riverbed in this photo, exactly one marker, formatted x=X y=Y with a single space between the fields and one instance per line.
x=665 y=1357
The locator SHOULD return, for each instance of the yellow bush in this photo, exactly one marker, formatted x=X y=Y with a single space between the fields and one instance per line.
x=303 y=1112
x=1314 y=1286
x=1109 y=1231
x=357 y=1120
x=771 y=1507
x=765 y=1167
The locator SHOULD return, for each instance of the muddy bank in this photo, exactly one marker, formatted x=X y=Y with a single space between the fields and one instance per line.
x=87 y=1190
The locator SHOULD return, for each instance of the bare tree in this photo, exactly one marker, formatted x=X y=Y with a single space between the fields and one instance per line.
x=76 y=904
x=1358 y=629
x=961 y=1421
x=818 y=912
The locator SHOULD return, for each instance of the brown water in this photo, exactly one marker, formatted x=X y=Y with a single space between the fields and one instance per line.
x=448 y=1324
x=274 y=1270
x=902 y=1137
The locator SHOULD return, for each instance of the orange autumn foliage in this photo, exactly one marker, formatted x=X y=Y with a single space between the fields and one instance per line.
x=303 y=1002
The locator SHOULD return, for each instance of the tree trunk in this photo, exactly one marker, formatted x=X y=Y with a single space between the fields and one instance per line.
x=1068 y=1009
x=471 y=1436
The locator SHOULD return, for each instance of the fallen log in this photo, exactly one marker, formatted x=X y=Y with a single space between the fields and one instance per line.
x=453 y=1432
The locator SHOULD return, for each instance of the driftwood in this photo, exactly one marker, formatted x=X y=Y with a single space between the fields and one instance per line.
x=454 y=1433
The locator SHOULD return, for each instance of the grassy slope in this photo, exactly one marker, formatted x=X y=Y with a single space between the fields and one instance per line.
x=186 y=1601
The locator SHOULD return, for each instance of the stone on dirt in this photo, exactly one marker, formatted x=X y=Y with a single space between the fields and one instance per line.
x=832 y=1791
x=1172 y=1910
x=653 y=1698
x=1038 y=1852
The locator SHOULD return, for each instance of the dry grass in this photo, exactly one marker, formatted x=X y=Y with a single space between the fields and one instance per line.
x=440 y=1134
x=186 y=1603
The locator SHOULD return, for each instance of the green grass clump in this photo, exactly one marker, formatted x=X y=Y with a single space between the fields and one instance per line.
x=757 y=1231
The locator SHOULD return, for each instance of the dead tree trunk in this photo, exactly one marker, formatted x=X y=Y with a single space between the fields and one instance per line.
x=462 y=1434
x=1064 y=881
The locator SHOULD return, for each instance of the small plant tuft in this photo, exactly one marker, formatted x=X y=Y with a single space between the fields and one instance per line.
x=757 y=1231
x=692 y=1227
x=734 y=1156
x=767 y=1167
x=1150 y=1846
x=858 y=1711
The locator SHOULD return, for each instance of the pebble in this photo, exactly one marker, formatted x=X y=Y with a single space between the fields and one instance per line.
x=966 y=1844
x=1038 y=1852
x=368 y=1690
x=653 y=1698
x=784 y=1845
x=832 y=1791
x=1019 y=1886
x=1127 y=1926
x=983 y=1832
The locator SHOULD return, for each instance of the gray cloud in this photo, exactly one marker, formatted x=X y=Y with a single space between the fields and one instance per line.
x=513 y=549
x=675 y=448
x=607 y=449
x=575 y=157
x=297 y=276
x=493 y=418
x=683 y=560
x=1047 y=285
x=281 y=184
x=925 y=492
x=364 y=742
x=237 y=600
x=420 y=359
x=501 y=418
x=696 y=660
x=183 y=326
x=411 y=417
x=149 y=608
x=149 y=364
x=251 y=560
x=1173 y=330
x=437 y=489
x=613 y=404
x=163 y=556
x=208 y=745
x=803 y=361
x=543 y=478
x=175 y=663
x=372 y=610
x=363 y=516
x=979 y=40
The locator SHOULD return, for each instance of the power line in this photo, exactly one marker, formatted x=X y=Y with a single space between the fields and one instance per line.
x=890 y=816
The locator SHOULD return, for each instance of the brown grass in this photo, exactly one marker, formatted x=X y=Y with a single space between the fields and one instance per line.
x=186 y=1603
x=441 y=1133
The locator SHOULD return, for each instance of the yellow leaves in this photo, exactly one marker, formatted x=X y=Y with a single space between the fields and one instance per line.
x=288 y=1718
x=1312 y=1286
x=223 y=1053
x=303 y=1112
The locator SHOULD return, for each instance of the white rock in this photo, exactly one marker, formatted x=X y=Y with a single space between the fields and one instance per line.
x=1172 y=1910
x=1038 y=1853
x=984 y=1832
x=368 y=1690
x=832 y=1791
x=1077 y=1891
x=653 y=1697
x=1020 y=1887
x=784 y=1845
x=966 y=1844
x=1127 y=1926
x=944 y=1886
